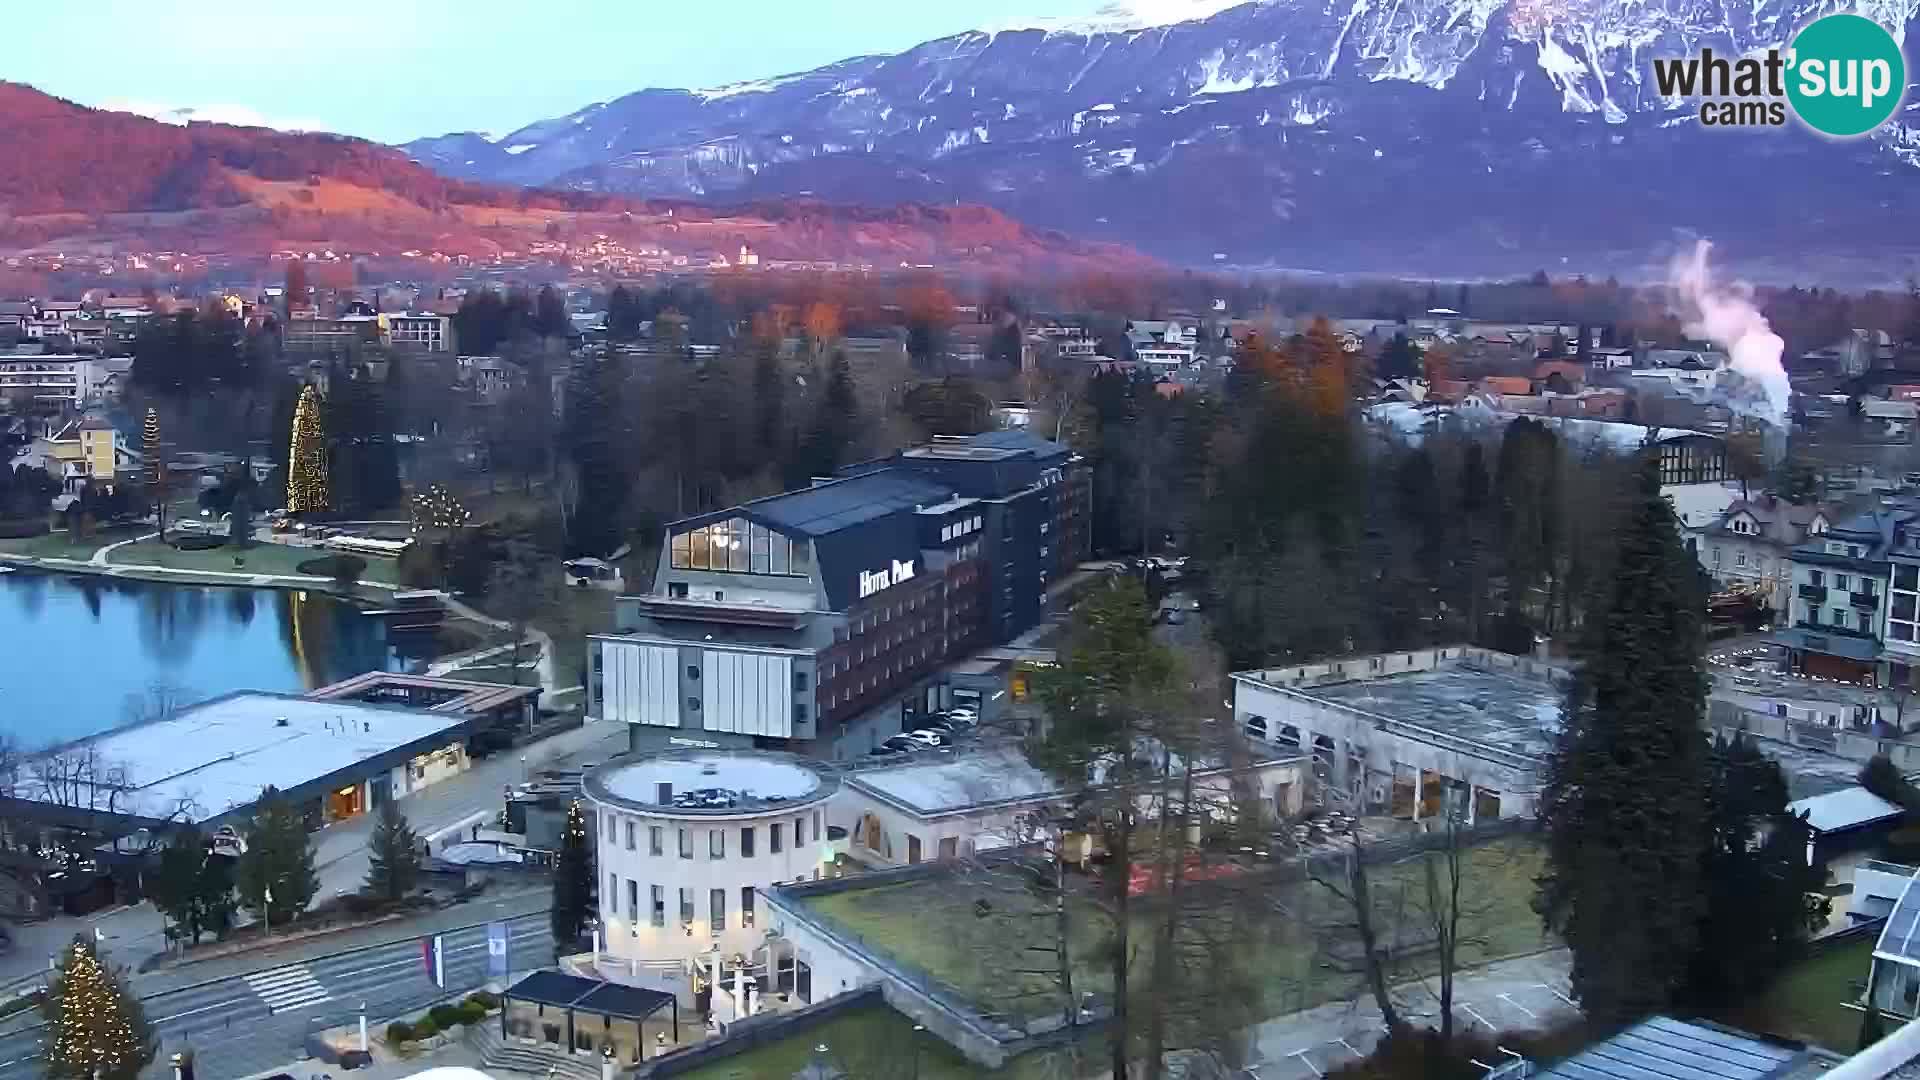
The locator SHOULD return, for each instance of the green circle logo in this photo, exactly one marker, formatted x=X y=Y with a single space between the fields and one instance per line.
x=1845 y=75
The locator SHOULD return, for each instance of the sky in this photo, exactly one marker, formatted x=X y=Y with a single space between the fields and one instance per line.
x=394 y=72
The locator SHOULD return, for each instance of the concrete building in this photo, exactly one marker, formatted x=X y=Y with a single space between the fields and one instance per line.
x=416 y=332
x=1841 y=580
x=507 y=709
x=686 y=837
x=60 y=379
x=819 y=620
x=1412 y=733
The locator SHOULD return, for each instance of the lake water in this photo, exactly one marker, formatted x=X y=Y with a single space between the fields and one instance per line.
x=80 y=654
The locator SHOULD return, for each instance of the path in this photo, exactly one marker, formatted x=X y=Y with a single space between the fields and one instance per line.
x=99 y=556
x=542 y=642
x=97 y=564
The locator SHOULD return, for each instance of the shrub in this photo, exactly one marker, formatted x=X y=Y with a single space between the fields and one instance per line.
x=425 y=1028
x=484 y=999
x=447 y=1016
x=338 y=567
x=398 y=1032
x=473 y=1012
x=197 y=543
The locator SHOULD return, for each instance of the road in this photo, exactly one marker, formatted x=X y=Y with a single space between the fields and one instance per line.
x=245 y=1024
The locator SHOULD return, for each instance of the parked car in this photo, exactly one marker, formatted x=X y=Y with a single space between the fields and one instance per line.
x=938 y=722
x=902 y=743
x=886 y=750
x=938 y=737
x=963 y=716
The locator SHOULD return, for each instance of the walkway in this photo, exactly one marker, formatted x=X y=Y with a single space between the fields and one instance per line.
x=542 y=643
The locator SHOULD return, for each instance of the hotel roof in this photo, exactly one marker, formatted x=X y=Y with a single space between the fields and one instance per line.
x=840 y=504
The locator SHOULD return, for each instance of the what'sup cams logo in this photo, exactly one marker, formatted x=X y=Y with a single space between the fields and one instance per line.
x=1842 y=75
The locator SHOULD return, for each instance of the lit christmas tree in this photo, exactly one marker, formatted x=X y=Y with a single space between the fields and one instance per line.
x=95 y=1029
x=573 y=880
x=436 y=508
x=150 y=446
x=307 y=457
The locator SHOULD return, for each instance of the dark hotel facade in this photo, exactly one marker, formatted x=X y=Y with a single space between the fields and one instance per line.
x=819 y=620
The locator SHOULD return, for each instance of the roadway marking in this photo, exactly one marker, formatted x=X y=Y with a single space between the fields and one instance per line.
x=287 y=988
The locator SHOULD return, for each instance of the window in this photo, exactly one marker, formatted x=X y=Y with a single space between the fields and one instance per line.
x=799 y=714
x=773 y=838
x=656 y=841
x=677 y=590
x=716 y=843
x=746 y=907
x=799 y=682
x=1816 y=579
x=693 y=672
x=633 y=902
x=659 y=905
x=1716 y=556
x=631 y=829
x=612 y=899
x=1840 y=617
x=949 y=847
x=693 y=704
x=1740 y=558
x=1906 y=576
x=913 y=849
x=686 y=907
x=746 y=842
x=717 y=905
x=1843 y=582
x=686 y=843
x=799 y=832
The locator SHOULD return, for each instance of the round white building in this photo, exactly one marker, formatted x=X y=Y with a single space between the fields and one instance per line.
x=685 y=837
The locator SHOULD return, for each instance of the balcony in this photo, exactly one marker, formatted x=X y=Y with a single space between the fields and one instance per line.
x=1866 y=601
x=1815 y=593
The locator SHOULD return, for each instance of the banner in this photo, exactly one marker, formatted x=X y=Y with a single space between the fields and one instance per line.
x=497 y=950
x=433 y=953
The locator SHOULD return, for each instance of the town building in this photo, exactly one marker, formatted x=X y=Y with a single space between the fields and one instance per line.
x=63 y=380
x=819 y=620
x=207 y=764
x=1839 y=612
x=416 y=332
x=685 y=838
x=89 y=450
x=1415 y=734
x=306 y=332
x=1749 y=546
x=507 y=709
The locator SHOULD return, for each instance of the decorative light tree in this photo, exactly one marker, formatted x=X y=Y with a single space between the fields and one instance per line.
x=153 y=473
x=95 y=1029
x=573 y=879
x=437 y=508
x=307 y=457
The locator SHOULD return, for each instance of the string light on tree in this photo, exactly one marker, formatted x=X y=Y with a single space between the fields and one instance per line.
x=307 y=456
x=437 y=508
x=95 y=1029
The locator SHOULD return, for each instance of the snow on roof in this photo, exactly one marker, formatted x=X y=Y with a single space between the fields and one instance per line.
x=716 y=781
x=956 y=785
x=1847 y=808
x=216 y=756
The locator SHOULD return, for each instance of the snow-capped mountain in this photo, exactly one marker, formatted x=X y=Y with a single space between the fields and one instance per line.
x=1449 y=135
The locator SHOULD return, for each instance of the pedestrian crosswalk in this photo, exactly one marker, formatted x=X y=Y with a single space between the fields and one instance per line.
x=287 y=988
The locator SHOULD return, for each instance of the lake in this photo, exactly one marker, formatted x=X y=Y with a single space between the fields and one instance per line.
x=81 y=654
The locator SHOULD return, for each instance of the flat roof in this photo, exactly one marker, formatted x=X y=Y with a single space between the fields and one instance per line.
x=216 y=756
x=1846 y=808
x=710 y=782
x=471 y=696
x=1682 y=1050
x=1514 y=713
x=839 y=504
x=956 y=784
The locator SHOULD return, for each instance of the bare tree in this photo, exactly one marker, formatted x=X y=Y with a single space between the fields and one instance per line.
x=1351 y=883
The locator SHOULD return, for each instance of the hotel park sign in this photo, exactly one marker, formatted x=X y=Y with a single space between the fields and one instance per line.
x=872 y=581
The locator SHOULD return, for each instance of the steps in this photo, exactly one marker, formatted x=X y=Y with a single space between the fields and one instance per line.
x=534 y=1060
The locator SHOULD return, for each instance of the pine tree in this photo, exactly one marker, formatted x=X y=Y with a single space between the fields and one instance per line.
x=278 y=863
x=573 y=879
x=153 y=471
x=194 y=888
x=95 y=1028
x=1625 y=800
x=393 y=864
x=307 y=457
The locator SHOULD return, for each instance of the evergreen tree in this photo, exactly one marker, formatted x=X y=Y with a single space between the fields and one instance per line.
x=573 y=879
x=307 y=456
x=95 y=1027
x=1399 y=359
x=393 y=863
x=276 y=875
x=1624 y=804
x=769 y=403
x=194 y=888
x=594 y=436
x=1762 y=895
x=834 y=423
x=550 y=313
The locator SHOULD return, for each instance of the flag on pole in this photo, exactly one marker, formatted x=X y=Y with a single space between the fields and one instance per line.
x=497 y=950
x=433 y=954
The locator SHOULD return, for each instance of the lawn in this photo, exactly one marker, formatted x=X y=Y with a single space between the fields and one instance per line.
x=1280 y=936
x=578 y=613
x=60 y=543
x=259 y=559
x=1807 y=1002
x=873 y=1041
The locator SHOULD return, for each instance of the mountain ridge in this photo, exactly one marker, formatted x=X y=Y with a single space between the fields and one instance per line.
x=1264 y=123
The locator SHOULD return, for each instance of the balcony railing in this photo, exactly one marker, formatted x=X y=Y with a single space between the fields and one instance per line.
x=1866 y=600
x=1812 y=592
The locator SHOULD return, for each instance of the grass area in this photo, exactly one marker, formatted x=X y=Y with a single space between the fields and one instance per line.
x=1280 y=935
x=259 y=559
x=60 y=544
x=871 y=1041
x=1807 y=1002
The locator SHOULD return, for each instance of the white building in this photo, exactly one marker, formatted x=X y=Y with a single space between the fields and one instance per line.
x=687 y=836
x=1164 y=355
x=62 y=379
x=420 y=333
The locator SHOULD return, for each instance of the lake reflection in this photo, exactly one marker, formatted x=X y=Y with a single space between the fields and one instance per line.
x=79 y=654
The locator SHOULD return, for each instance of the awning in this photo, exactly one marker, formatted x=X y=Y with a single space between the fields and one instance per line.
x=589 y=995
x=1865 y=650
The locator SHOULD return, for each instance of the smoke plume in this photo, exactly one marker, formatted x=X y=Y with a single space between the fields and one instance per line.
x=1725 y=315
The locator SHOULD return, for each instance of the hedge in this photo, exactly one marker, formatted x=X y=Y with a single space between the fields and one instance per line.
x=349 y=567
x=398 y=1032
x=447 y=1016
x=197 y=543
x=425 y=1028
x=484 y=999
